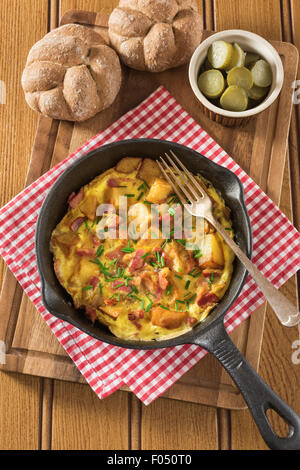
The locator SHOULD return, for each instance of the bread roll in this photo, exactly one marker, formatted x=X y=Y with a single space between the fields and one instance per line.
x=71 y=74
x=155 y=35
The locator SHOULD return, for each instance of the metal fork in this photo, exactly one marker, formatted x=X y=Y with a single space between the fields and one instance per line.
x=198 y=203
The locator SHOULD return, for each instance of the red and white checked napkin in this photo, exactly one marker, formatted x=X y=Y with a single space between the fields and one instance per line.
x=147 y=373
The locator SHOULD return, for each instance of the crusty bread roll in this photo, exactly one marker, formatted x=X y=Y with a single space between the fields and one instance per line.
x=71 y=74
x=155 y=35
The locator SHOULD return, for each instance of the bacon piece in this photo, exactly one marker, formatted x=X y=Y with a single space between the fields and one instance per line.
x=163 y=278
x=138 y=326
x=191 y=321
x=94 y=281
x=209 y=272
x=117 y=253
x=77 y=223
x=131 y=316
x=126 y=289
x=112 y=183
x=75 y=199
x=202 y=290
x=91 y=313
x=149 y=281
x=207 y=299
x=85 y=252
x=137 y=261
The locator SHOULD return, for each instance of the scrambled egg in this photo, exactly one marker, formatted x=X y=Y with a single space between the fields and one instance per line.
x=140 y=283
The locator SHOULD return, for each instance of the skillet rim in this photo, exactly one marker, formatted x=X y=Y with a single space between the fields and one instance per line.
x=186 y=338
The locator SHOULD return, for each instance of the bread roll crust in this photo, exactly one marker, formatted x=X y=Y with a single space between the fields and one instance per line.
x=155 y=35
x=71 y=74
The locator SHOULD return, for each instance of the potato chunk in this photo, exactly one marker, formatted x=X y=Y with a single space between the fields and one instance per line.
x=111 y=311
x=167 y=318
x=159 y=191
x=212 y=252
x=88 y=206
x=128 y=164
x=149 y=171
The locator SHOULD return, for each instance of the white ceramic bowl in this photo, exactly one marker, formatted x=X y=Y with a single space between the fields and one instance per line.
x=249 y=42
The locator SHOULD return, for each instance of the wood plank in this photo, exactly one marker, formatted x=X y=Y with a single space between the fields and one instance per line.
x=96 y=424
x=295 y=125
x=59 y=149
x=168 y=424
x=275 y=357
x=54 y=435
x=80 y=421
x=19 y=395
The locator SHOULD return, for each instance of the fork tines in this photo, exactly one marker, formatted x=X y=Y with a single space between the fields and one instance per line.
x=193 y=192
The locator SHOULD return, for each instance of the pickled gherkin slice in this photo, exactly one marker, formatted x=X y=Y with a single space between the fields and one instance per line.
x=241 y=77
x=251 y=57
x=261 y=73
x=211 y=83
x=257 y=92
x=234 y=98
x=238 y=57
x=220 y=54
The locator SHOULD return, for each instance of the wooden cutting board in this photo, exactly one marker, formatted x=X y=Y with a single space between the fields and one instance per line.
x=259 y=148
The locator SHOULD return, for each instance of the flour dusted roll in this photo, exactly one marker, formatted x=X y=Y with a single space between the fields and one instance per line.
x=71 y=74
x=155 y=35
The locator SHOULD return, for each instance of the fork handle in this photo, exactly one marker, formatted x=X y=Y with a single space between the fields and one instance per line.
x=286 y=312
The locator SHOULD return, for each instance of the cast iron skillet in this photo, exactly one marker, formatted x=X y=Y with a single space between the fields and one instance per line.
x=210 y=334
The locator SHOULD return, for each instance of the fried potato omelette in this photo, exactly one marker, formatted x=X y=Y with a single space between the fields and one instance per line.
x=145 y=287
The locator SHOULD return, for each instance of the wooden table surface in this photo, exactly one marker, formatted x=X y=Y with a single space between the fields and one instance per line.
x=40 y=413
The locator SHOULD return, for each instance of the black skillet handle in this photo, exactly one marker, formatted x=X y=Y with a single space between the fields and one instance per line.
x=257 y=394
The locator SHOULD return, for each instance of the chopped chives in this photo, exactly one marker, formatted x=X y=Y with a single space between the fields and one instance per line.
x=134 y=289
x=146 y=254
x=87 y=288
x=179 y=277
x=119 y=285
x=187 y=285
x=169 y=289
x=197 y=254
x=128 y=248
x=190 y=299
x=162 y=306
x=129 y=195
x=99 y=251
x=140 y=196
x=149 y=306
x=132 y=296
x=142 y=305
